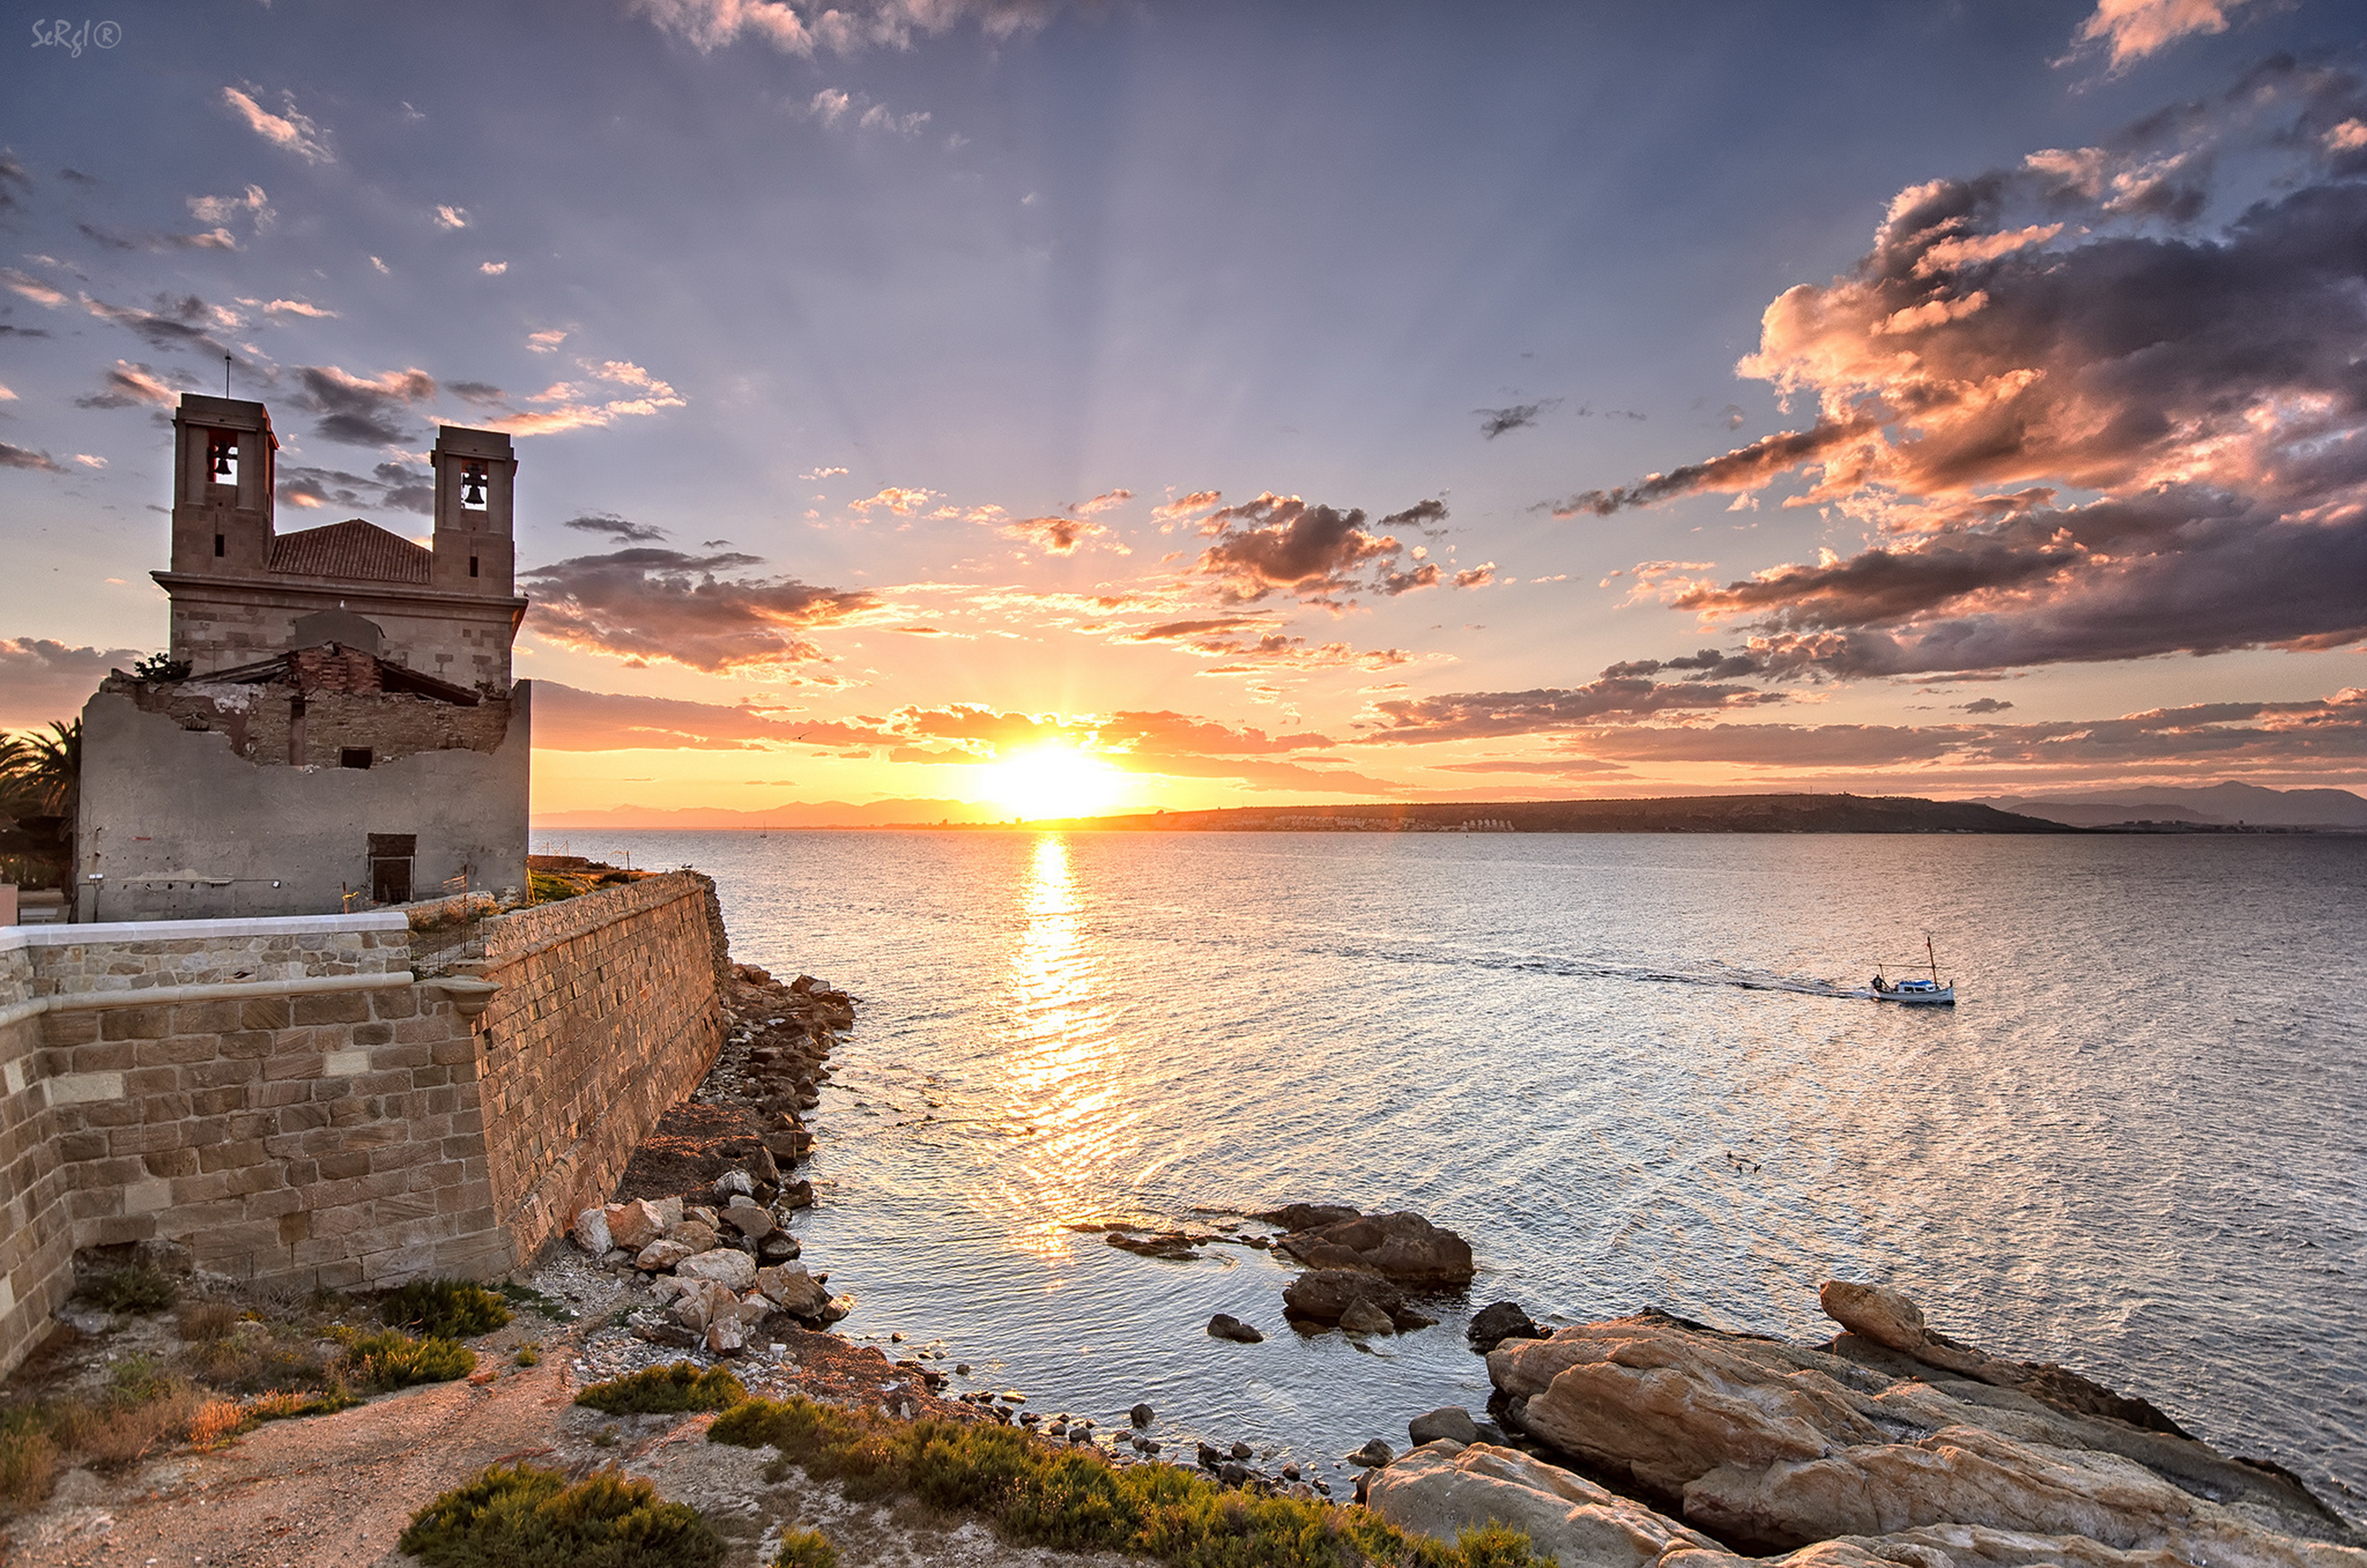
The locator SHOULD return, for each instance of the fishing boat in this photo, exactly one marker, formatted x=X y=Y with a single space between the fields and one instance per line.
x=1929 y=993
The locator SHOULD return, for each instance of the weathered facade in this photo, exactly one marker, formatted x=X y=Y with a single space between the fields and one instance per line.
x=346 y=732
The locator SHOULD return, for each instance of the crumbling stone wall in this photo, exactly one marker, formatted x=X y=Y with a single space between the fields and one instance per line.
x=257 y=718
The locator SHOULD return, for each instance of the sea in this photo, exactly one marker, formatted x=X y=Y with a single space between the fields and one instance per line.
x=1631 y=1069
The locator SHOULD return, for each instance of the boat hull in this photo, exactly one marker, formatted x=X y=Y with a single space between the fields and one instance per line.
x=1944 y=997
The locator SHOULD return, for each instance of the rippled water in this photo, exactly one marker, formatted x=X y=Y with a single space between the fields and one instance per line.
x=2136 y=1145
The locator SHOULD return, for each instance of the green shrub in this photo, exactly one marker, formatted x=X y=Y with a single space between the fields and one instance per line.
x=805 y=1549
x=391 y=1359
x=136 y=1289
x=1042 y=1493
x=519 y=1517
x=289 y=1403
x=444 y=1308
x=665 y=1391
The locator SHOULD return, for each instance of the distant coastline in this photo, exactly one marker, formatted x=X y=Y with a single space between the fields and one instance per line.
x=2263 y=811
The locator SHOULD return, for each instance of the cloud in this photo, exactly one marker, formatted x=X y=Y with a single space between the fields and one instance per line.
x=546 y=342
x=652 y=604
x=821 y=474
x=1520 y=416
x=14 y=182
x=1477 y=577
x=128 y=386
x=1058 y=536
x=1986 y=704
x=2200 y=391
x=616 y=527
x=177 y=323
x=23 y=458
x=299 y=308
x=90 y=461
x=493 y=269
x=2130 y=29
x=113 y=240
x=252 y=205
x=567 y=718
x=41 y=680
x=567 y=406
x=1317 y=553
x=451 y=218
x=1464 y=716
x=361 y=410
x=31 y=288
x=1186 y=506
x=710 y=24
x=895 y=498
x=397 y=486
x=290 y=130
x=1254 y=643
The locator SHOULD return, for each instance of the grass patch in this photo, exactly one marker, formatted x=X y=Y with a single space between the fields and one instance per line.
x=519 y=1517
x=665 y=1391
x=527 y=1296
x=288 y=1403
x=805 y=1549
x=137 y=1289
x=202 y=1323
x=444 y=1308
x=391 y=1359
x=28 y=1460
x=529 y=1354
x=1040 y=1494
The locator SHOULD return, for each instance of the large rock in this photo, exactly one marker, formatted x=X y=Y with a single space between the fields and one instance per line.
x=794 y=1291
x=661 y=1255
x=1442 y=1488
x=1775 y=1447
x=1364 y=1317
x=1499 y=1321
x=634 y=1225
x=733 y=1270
x=1879 y=1315
x=590 y=1232
x=1405 y=1247
x=1451 y=1422
x=1324 y=1295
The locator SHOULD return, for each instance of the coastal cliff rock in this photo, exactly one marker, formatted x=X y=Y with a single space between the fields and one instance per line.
x=1404 y=1248
x=1773 y=1447
x=1441 y=1487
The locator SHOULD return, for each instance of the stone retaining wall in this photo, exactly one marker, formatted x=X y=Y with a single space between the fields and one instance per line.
x=358 y=1133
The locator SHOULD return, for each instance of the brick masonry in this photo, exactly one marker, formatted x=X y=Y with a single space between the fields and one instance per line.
x=343 y=1138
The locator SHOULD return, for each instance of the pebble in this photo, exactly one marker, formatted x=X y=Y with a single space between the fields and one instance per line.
x=1142 y=1415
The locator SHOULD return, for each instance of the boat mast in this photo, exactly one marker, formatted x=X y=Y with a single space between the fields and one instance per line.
x=1933 y=956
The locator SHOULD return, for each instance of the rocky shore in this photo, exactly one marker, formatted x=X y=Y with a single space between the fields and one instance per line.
x=1652 y=1440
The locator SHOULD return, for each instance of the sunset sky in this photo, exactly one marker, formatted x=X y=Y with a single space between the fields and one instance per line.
x=1174 y=404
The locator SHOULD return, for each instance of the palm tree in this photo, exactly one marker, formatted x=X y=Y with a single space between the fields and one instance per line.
x=44 y=770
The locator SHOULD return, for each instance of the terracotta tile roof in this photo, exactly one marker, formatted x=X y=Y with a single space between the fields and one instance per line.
x=351 y=548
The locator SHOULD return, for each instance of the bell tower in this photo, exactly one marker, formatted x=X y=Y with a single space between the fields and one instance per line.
x=476 y=473
x=223 y=461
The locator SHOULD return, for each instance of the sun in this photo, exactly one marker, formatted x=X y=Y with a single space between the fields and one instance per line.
x=1053 y=781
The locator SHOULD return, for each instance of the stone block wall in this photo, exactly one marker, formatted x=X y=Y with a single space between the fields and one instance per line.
x=610 y=1011
x=285 y=1099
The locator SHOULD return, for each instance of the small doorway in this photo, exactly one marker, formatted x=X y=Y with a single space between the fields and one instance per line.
x=391 y=856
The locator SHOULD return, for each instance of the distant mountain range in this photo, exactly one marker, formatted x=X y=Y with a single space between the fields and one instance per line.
x=2223 y=804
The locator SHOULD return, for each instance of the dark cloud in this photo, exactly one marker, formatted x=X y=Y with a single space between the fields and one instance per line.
x=1423 y=575
x=216 y=239
x=14 y=182
x=392 y=485
x=128 y=386
x=2039 y=330
x=358 y=411
x=664 y=605
x=1520 y=416
x=75 y=177
x=9 y=331
x=1985 y=704
x=1476 y=577
x=21 y=457
x=182 y=322
x=482 y=393
x=41 y=680
x=1317 y=553
x=1464 y=715
x=619 y=528
x=1059 y=535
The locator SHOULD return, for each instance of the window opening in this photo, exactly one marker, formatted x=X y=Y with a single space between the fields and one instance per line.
x=218 y=544
x=472 y=566
x=354 y=757
x=221 y=456
x=472 y=486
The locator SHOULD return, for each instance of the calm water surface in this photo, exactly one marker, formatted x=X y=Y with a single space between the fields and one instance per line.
x=2136 y=1146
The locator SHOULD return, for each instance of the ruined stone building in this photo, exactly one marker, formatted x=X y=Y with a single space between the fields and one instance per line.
x=346 y=732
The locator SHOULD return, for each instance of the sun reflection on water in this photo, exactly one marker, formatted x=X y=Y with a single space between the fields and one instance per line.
x=1064 y=1068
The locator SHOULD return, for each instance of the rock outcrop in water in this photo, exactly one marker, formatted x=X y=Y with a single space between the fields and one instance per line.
x=1403 y=1248
x=1860 y=1452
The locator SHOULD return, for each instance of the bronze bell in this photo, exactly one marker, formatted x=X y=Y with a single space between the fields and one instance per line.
x=473 y=493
